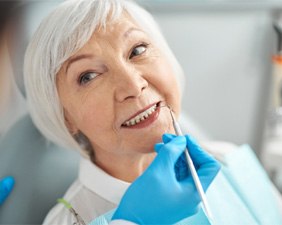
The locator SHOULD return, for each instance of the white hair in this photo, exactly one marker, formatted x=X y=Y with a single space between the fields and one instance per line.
x=66 y=30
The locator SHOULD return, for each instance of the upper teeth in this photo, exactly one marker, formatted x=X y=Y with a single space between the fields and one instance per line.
x=142 y=116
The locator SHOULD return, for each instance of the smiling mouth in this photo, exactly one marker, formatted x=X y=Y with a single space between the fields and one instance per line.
x=141 y=117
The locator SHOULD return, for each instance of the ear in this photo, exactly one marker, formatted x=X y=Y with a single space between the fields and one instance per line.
x=70 y=123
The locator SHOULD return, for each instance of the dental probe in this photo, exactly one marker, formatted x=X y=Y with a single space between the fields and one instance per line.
x=193 y=170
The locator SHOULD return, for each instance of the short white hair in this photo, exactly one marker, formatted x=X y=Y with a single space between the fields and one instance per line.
x=66 y=30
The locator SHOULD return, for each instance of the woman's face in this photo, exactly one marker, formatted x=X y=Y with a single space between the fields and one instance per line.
x=109 y=87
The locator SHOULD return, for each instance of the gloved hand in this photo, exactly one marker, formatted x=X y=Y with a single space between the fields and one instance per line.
x=165 y=193
x=6 y=186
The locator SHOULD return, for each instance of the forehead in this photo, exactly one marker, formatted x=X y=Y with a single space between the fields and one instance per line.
x=121 y=27
x=116 y=32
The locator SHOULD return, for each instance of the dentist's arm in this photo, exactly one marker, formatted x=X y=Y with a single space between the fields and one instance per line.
x=165 y=193
x=6 y=186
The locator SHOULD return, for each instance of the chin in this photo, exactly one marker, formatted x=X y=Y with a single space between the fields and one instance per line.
x=148 y=145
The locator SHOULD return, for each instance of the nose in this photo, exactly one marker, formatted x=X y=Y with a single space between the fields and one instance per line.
x=129 y=83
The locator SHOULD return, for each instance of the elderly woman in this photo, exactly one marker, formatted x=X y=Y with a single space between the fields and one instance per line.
x=97 y=74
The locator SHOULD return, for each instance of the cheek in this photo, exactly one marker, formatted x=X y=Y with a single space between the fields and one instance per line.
x=165 y=81
x=94 y=114
x=87 y=110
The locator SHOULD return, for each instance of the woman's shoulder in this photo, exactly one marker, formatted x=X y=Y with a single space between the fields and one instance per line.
x=59 y=214
x=83 y=199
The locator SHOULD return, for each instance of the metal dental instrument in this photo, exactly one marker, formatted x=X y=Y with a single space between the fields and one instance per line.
x=193 y=170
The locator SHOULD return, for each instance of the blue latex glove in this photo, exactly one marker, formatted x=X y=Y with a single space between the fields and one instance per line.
x=165 y=193
x=6 y=186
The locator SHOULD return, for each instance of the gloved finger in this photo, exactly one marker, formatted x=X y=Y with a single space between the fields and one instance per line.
x=158 y=146
x=168 y=137
x=198 y=155
x=206 y=165
x=171 y=151
x=181 y=168
x=207 y=172
x=6 y=186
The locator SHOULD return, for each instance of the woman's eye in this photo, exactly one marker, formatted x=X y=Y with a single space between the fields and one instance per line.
x=138 y=50
x=86 y=77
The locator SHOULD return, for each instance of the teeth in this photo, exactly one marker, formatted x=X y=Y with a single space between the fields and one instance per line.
x=142 y=116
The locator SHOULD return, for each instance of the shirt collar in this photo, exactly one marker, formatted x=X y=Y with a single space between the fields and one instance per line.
x=98 y=181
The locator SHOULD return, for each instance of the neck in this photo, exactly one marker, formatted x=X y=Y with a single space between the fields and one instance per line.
x=125 y=167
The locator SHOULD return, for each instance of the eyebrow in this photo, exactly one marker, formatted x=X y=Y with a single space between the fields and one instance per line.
x=77 y=58
x=126 y=34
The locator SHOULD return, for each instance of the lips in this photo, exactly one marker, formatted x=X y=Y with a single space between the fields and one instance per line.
x=141 y=115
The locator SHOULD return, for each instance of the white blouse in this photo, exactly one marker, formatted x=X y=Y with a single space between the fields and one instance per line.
x=90 y=197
